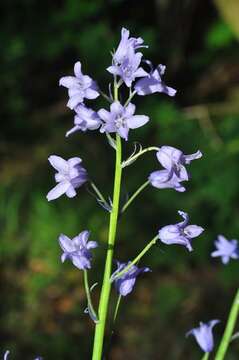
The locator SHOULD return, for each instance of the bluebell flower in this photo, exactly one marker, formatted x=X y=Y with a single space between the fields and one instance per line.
x=226 y=249
x=153 y=83
x=8 y=352
x=85 y=119
x=79 y=87
x=120 y=119
x=78 y=249
x=129 y=69
x=70 y=176
x=180 y=233
x=173 y=160
x=125 y=283
x=126 y=44
x=204 y=336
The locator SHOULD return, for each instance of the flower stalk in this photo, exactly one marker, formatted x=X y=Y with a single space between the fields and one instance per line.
x=137 y=192
x=231 y=322
x=106 y=287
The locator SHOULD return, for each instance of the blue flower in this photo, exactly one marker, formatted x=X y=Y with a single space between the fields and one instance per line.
x=180 y=233
x=70 y=176
x=85 y=119
x=80 y=87
x=173 y=160
x=204 y=336
x=153 y=83
x=77 y=249
x=120 y=119
x=125 y=283
x=226 y=249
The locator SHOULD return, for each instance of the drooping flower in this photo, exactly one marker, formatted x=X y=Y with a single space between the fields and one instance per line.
x=79 y=87
x=78 y=249
x=174 y=161
x=153 y=83
x=126 y=43
x=180 y=233
x=85 y=119
x=125 y=283
x=70 y=176
x=129 y=69
x=204 y=336
x=226 y=249
x=120 y=119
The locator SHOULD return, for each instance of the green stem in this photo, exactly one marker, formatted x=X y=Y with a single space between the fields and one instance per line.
x=88 y=296
x=117 y=308
x=137 y=192
x=131 y=159
x=231 y=322
x=130 y=98
x=206 y=356
x=106 y=287
x=98 y=193
x=141 y=254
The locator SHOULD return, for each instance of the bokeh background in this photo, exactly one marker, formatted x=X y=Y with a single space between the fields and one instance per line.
x=42 y=301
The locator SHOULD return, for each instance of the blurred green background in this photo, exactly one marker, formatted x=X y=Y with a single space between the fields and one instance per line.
x=42 y=301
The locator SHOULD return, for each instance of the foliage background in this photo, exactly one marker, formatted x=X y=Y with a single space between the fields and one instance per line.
x=42 y=301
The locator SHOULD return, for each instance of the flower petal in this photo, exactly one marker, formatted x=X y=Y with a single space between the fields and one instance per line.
x=58 y=163
x=137 y=121
x=58 y=190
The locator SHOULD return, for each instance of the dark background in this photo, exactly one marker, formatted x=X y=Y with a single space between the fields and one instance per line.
x=42 y=301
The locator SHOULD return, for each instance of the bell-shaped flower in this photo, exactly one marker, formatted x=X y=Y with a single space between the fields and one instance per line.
x=125 y=283
x=153 y=83
x=78 y=249
x=173 y=160
x=226 y=249
x=120 y=119
x=180 y=233
x=204 y=336
x=70 y=176
x=85 y=119
x=126 y=43
x=79 y=87
x=130 y=68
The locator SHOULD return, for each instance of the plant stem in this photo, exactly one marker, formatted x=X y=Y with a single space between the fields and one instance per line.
x=137 y=192
x=91 y=310
x=135 y=157
x=141 y=254
x=231 y=322
x=205 y=356
x=98 y=193
x=106 y=287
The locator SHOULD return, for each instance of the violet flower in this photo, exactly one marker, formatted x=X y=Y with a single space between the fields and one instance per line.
x=153 y=83
x=70 y=176
x=120 y=119
x=126 y=43
x=85 y=119
x=180 y=233
x=79 y=87
x=226 y=249
x=174 y=161
x=77 y=249
x=130 y=68
x=204 y=336
x=125 y=283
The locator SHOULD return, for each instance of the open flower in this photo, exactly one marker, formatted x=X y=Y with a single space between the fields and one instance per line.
x=125 y=283
x=226 y=249
x=180 y=233
x=126 y=43
x=70 y=176
x=204 y=336
x=153 y=83
x=120 y=119
x=77 y=249
x=173 y=160
x=130 y=68
x=85 y=119
x=79 y=87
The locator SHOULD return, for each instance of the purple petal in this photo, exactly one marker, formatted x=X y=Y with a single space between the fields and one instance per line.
x=91 y=94
x=66 y=243
x=58 y=190
x=193 y=230
x=74 y=101
x=77 y=69
x=137 y=121
x=68 y=81
x=58 y=163
x=71 y=192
